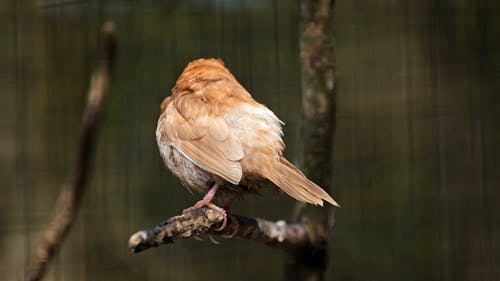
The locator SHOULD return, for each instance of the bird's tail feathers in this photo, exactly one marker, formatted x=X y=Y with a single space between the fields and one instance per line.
x=292 y=181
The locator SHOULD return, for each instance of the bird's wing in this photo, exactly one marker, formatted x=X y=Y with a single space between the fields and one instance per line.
x=193 y=126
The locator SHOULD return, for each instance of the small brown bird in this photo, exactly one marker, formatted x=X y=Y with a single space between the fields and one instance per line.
x=217 y=139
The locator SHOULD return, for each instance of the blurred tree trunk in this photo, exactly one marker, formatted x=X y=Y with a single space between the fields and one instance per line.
x=315 y=141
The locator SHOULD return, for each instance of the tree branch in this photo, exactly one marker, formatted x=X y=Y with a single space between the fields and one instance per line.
x=279 y=235
x=71 y=193
x=316 y=130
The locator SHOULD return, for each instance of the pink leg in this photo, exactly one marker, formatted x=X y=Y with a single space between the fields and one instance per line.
x=207 y=202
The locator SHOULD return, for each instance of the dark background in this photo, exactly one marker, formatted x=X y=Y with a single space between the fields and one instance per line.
x=416 y=146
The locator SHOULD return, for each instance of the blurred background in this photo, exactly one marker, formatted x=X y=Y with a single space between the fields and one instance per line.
x=416 y=146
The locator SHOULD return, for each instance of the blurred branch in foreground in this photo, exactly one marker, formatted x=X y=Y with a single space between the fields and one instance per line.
x=72 y=192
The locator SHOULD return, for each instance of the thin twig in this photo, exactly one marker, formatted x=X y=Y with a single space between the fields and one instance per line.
x=279 y=235
x=71 y=193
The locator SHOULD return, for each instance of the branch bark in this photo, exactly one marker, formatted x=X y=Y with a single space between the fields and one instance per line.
x=72 y=192
x=280 y=235
x=317 y=128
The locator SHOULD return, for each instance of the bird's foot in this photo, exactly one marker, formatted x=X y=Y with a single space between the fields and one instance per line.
x=203 y=203
x=207 y=202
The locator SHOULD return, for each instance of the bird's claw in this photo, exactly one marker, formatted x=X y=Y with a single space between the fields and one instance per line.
x=213 y=240
x=235 y=225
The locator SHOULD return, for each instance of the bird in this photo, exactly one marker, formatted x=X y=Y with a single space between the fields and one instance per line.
x=218 y=140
